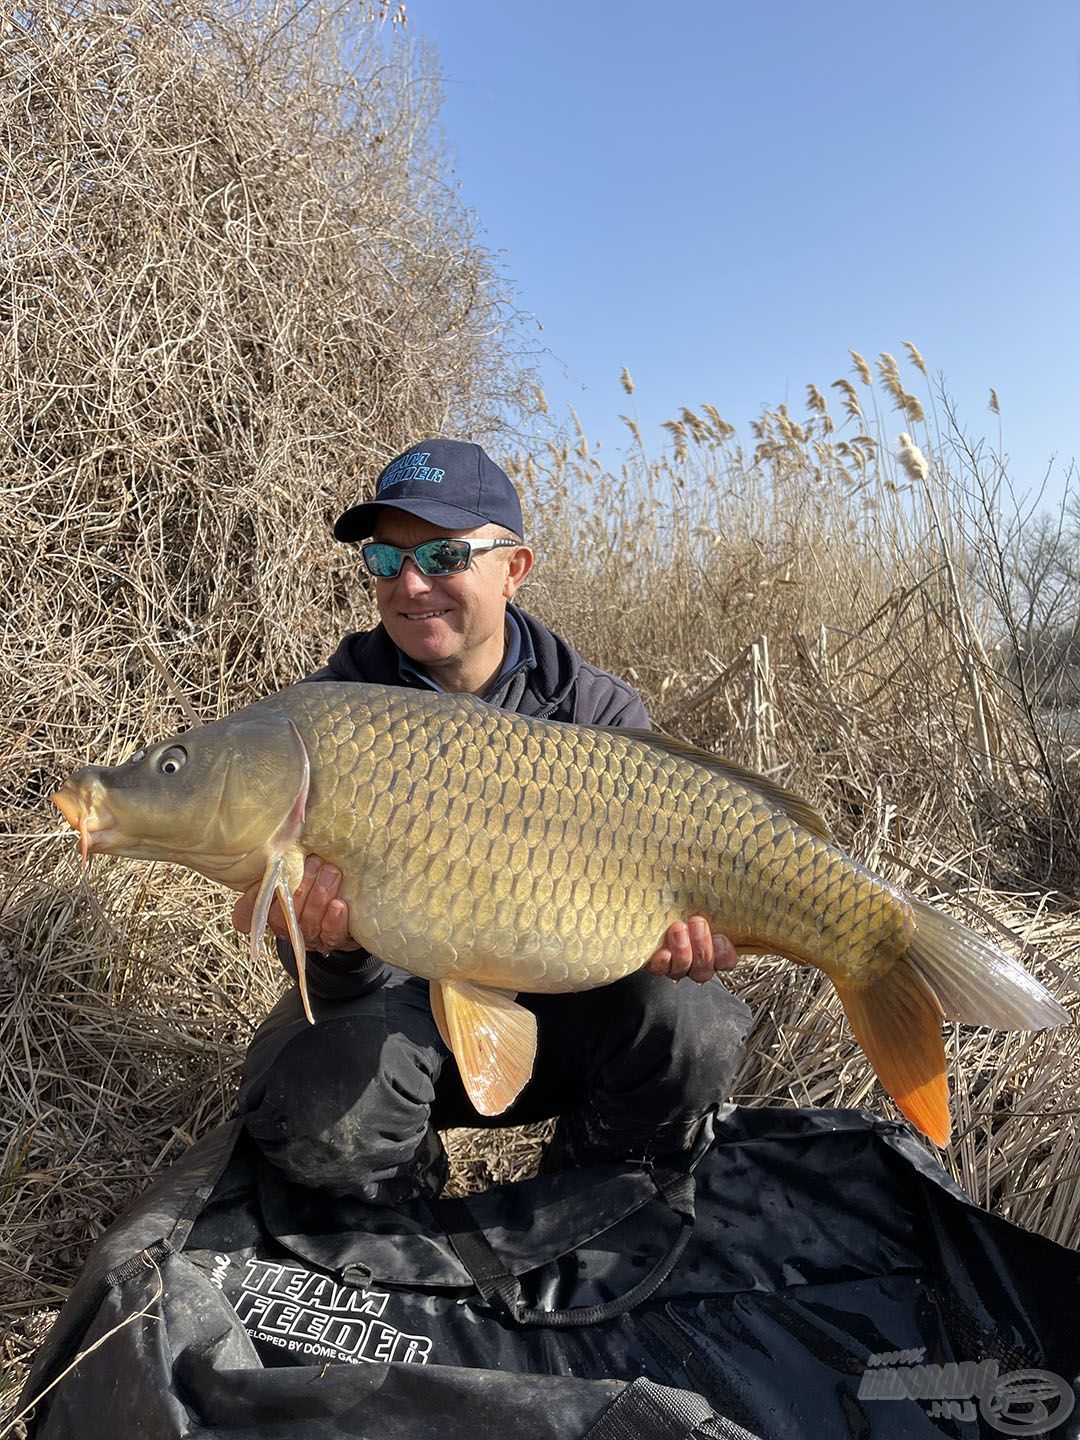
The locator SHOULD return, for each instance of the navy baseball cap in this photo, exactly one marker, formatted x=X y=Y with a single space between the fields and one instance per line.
x=448 y=482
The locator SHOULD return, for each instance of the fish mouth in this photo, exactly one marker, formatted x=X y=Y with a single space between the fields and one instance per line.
x=82 y=804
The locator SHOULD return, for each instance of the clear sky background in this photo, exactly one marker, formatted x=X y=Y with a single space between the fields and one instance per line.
x=726 y=196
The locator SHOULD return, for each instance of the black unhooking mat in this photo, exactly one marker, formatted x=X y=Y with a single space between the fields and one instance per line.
x=816 y=1275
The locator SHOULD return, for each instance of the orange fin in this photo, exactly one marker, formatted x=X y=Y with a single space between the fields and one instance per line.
x=438 y=1009
x=898 y=1024
x=492 y=1037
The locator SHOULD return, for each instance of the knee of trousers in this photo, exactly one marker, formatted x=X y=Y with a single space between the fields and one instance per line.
x=345 y=1104
x=691 y=1037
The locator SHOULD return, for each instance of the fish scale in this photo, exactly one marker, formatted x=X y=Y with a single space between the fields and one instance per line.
x=493 y=853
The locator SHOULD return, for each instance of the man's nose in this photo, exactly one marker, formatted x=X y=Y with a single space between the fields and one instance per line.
x=412 y=579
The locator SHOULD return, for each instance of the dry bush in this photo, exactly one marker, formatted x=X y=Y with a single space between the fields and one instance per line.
x=235 y=281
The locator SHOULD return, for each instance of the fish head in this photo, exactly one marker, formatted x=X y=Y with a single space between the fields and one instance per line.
x=219 y=798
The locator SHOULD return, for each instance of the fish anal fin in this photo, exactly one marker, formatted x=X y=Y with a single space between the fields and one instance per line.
x=493 y=1040
x=779 y=796
x=898 y=1024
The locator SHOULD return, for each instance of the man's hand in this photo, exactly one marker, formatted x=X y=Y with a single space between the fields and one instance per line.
x=691 y=949
x=323 y=918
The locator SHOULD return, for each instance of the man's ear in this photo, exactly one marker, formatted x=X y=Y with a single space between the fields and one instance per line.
x=521 y=562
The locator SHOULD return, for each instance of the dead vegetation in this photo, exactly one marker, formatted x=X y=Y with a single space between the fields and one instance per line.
x=234 y=282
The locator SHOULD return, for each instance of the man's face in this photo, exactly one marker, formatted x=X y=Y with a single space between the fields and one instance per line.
x=446 y=620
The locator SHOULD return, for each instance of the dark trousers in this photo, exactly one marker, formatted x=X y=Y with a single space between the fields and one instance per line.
x=353 y=1103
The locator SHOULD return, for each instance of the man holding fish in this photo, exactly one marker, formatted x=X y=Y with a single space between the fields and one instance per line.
x=631 y=1069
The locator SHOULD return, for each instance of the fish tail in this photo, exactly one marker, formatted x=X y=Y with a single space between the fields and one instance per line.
x=973 y=980
x=897 y=1021
x=947 y=972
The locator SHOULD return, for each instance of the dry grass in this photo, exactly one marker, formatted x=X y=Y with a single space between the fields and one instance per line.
x=234 y=281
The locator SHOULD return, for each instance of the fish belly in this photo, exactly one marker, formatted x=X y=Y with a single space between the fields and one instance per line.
x=555 y=924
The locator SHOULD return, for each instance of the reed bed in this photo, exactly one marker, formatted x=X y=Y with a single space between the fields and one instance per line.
x=235 y=282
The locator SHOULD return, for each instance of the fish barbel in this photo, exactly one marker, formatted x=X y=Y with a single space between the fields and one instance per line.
x=493 y=853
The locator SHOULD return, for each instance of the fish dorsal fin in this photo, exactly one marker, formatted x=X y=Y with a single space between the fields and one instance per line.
x=800 y=810
x=493 y=1040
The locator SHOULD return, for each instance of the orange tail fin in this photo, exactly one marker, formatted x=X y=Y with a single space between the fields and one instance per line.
x=898 y=1024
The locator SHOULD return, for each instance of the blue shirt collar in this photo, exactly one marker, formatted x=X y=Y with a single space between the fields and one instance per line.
x=520 y=655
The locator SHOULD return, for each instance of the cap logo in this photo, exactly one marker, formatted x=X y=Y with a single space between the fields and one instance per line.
x=413 y=466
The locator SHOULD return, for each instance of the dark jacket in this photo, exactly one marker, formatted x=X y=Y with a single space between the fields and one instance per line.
x=561 y=686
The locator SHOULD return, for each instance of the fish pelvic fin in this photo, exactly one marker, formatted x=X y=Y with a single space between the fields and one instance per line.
x=492 y=1038
x=974 y=981
x=897 y=1021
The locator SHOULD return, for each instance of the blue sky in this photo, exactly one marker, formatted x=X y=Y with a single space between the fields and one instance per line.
x=724 y=197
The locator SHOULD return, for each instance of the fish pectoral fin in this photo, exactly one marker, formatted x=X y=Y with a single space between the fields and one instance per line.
x=284 y=885
x=282 y=875
x=897 y=1021
x=492 y=1037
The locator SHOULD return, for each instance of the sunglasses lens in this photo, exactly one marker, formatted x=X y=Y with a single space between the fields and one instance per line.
x=443 y=557
x=434 y=557
x=383 y=561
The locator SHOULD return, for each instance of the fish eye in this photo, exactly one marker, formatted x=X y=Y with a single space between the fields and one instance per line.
x=172 y=760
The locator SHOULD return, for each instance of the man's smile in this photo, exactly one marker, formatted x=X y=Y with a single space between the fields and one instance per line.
x=423 y=614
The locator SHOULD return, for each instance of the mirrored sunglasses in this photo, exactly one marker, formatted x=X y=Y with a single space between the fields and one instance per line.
x=434 y=557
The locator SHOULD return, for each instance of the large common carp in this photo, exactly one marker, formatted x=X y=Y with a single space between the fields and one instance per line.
x=493 y=854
